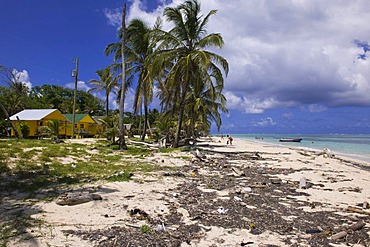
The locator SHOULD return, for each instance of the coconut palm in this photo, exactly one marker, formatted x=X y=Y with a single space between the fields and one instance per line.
x=111 y=125
x=185 y=45
x=139 y=52
x=54 y=125
x=106 y=82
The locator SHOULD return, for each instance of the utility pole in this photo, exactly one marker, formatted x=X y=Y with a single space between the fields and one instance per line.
x=75 y=75
x=122 y=143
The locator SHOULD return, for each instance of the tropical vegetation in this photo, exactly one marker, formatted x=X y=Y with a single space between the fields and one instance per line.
x=177 y=68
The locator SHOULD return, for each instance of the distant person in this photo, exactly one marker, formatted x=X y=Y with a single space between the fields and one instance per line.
x=229 y=140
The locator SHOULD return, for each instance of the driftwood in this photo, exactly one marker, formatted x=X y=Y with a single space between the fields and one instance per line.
x=339 y=235
x=71 y=199
x=354 y=227
x=357 y=210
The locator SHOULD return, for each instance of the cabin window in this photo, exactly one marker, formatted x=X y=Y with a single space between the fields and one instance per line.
x=40 y=123
x=82 y=126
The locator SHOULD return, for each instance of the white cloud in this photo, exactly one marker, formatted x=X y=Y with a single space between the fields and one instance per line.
x=288 y=115
x=287 y=53
x=81 y=85
x=23 y=77
x=264 y=122
x=253 y=105
x=114 y=16
x=316 y=108
x=129 y=100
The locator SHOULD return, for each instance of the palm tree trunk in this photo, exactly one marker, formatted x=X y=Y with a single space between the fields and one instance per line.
x=107 y=104
x=145 y=122
x=10 y=122
x=180 y=120
x=122 y=143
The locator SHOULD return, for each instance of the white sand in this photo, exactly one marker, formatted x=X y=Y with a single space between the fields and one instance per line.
x=337 y=179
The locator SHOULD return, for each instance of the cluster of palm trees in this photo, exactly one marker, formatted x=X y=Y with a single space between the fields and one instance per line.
x=188 y=79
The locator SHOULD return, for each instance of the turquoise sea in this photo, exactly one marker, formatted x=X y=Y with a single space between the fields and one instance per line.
x=357 y=146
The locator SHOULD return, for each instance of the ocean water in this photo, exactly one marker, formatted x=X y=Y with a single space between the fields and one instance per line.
x=357 y=146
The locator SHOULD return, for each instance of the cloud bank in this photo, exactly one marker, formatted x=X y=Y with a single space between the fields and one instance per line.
x=297 y=53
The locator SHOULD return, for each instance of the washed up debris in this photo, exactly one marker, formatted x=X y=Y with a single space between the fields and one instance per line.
x=303 y=183
x=222 y=210
x=357 y=210
x=237 y=172
x=339 y=235
x=247 y=189
x=199 y=155
x=313 y=231
x=71 y=199
x=121 y=174
x=351 y=189
x=174 y=174
x=326 y=153
x=354 y=227
x=259 y=185
x=138 y=214
x=256 y=156
x=246 y=243
x=276 y=181
x=236 y=198
x=206 y=228
x=364 y=205
x=161 y=227
x=260 y=170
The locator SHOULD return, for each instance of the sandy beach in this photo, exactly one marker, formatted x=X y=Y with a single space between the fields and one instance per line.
x=245 y=194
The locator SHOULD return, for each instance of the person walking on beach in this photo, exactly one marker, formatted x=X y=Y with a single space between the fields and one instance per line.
x=229 y=140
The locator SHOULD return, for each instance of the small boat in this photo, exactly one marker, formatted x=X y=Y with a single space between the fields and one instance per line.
x=290 y=140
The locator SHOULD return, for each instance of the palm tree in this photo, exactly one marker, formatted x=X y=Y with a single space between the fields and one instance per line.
x=206 y=101
x=54 y=127
x=185 y=46
x=140 y=51
x=111 y=125
x=106 y=82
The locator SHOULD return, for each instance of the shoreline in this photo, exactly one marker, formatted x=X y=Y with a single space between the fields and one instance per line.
x=347 y=144
x=352 y=156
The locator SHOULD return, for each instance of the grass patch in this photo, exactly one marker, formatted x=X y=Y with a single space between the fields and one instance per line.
x=138 y=151
x=37 y=170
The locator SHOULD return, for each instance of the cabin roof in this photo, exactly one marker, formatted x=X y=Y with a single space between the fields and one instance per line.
x=32 y=114
x=78 y=117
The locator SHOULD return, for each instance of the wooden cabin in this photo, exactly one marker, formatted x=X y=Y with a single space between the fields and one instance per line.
x=36 y=118
x=85 y=126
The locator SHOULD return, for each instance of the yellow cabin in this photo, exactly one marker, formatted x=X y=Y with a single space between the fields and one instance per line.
x=85 y=126
x=36 y=118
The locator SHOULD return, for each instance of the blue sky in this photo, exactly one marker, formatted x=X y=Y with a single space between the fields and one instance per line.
x=296 y=66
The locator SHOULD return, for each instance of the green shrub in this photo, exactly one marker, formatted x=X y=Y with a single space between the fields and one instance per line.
x=25 y=129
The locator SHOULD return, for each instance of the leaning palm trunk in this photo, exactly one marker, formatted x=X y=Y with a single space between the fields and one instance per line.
x=122 y=143
x=10 y=122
